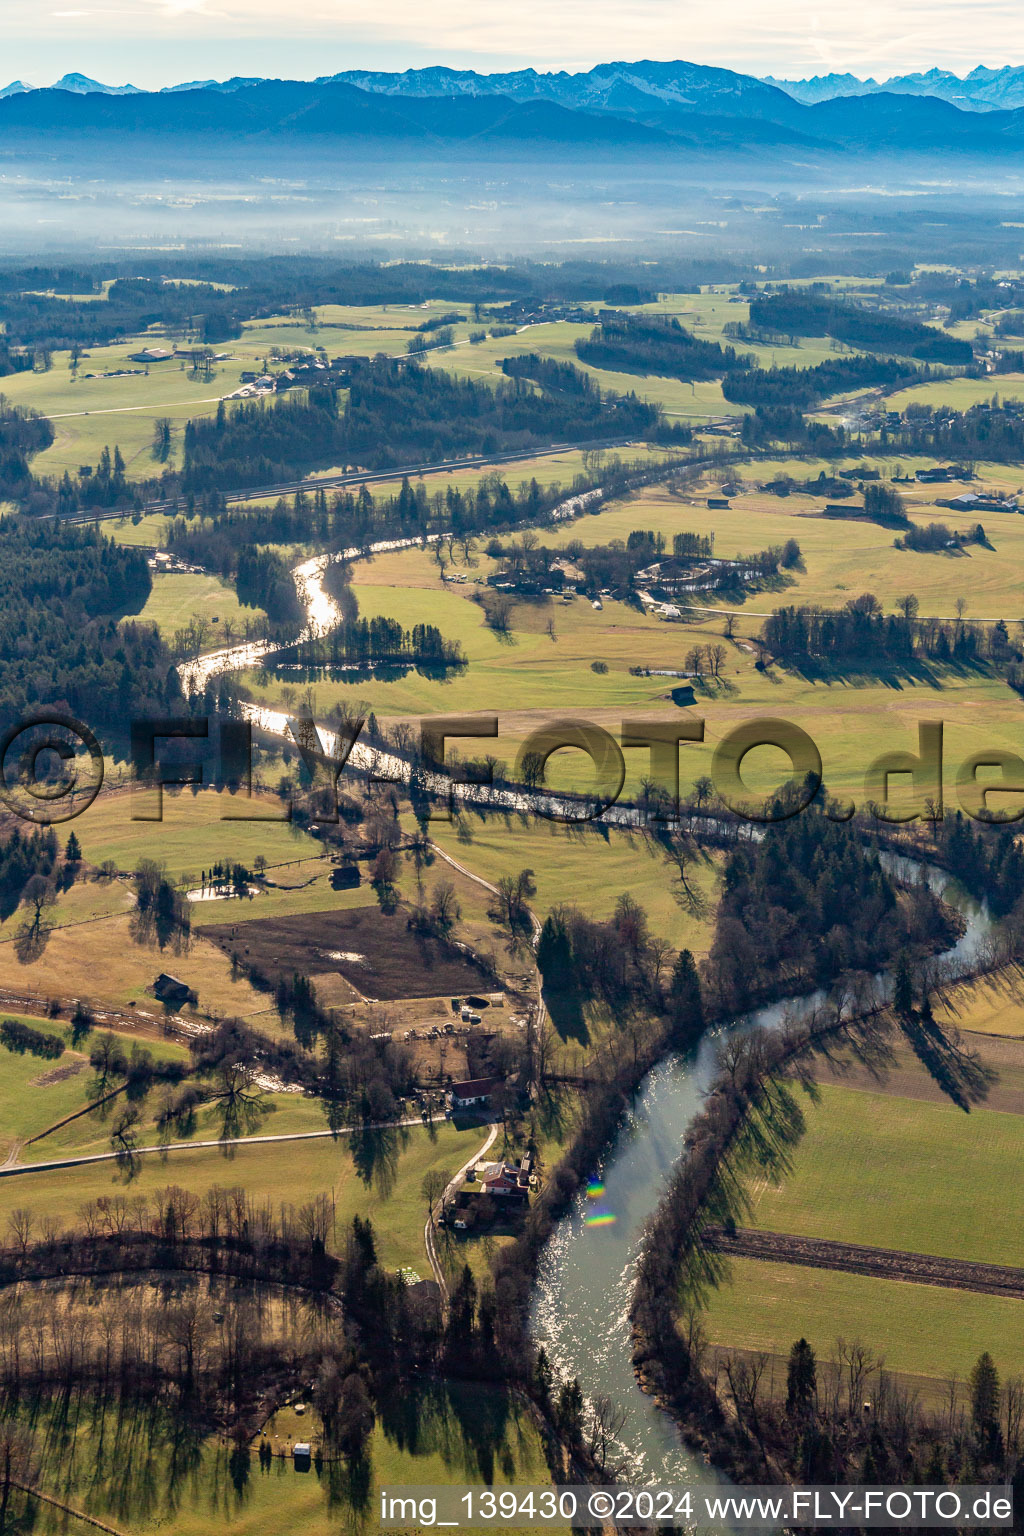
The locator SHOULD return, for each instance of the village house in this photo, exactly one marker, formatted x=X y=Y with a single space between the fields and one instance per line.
x=473 y=1094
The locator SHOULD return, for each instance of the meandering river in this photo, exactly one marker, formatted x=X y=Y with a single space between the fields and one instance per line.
x=585 y=1285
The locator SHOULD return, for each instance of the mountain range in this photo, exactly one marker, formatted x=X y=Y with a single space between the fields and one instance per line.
x=611 y=86
x=983 y=90
x=641 y=107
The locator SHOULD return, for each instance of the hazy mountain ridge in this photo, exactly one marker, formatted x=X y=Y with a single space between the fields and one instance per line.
x=644 y=106
x=983 y=90
x=298 y=109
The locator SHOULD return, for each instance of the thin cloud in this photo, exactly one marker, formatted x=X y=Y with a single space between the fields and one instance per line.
x=787 y=38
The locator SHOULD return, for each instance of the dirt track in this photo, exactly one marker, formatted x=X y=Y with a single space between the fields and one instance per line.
x=882 y=1263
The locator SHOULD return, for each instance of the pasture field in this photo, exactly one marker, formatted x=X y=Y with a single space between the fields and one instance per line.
x=85 y=902
x=260 y=337
x=148 y=533
x=179 y=598
x=555 y=338
x=841 y=558
x=988 y=1005
x=139 y=1472
x=372 y=1174
x=195 y=832
x=35 y=1093
x=297 y=889
x=590 y=868
x=100 y=963
x=287 y=1114
x=959 y=393
x=92 y=413
x=919 y=1330
x=707 y=313
x=894 y=1172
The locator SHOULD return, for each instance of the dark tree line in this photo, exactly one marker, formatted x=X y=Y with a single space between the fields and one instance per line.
x=63 y=591
x=23 y=433
x=804 y=388
x=25 y=856
x=395 y=411
x=798 y=312
x=806 y=904
x=770 y=424
x=976 y=434
x=19 y=1038
x=625 y=343
x=861 y=634
x=988 y=860
x=263 y=580
x=378 y=639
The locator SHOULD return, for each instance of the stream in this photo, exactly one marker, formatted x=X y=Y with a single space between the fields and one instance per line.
x=585 y=1281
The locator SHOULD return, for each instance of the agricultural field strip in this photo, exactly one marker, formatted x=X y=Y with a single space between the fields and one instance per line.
x=123 y=410
x=195 y=1146
x=882 y=1263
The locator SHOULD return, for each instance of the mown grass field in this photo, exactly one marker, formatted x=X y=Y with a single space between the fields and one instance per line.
x=194 y=832
x=374 y=1174
x=589 y=868
x=901 y=1173
x=920 y=1330
x=35 y=1093
x=990 y=1005
x=130 y=1473
x=179 y=599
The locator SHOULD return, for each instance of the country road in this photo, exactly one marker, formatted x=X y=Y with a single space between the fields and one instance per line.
x=195 y=1146
x=450 y=1188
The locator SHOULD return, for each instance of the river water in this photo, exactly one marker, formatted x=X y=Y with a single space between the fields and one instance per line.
x=585 y=1282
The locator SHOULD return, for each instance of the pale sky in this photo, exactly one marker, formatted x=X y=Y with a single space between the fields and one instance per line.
x=160 y=42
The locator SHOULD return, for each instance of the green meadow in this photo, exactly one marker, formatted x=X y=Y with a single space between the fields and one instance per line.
x=374 y=1174
x=918 y=1330
x=903 y=1173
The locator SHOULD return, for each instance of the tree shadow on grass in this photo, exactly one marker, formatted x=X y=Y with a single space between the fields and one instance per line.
x=375 y=1153
x=466 y=1424
x=565 y=1008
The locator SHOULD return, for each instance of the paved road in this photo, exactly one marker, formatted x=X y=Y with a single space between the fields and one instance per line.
x=195 y=1146
x=361 y=477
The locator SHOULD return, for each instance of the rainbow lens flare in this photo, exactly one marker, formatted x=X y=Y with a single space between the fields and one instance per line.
x=595 y=1191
